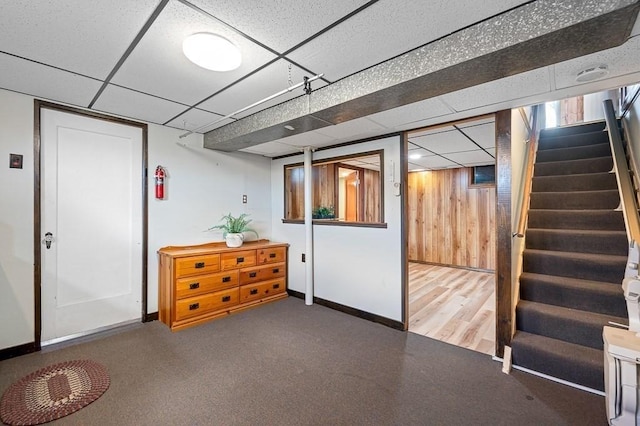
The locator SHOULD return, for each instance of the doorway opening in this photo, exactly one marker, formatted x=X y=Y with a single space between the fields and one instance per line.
x=452 y=233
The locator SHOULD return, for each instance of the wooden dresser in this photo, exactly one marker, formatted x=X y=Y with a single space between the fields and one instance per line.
x=203 y=282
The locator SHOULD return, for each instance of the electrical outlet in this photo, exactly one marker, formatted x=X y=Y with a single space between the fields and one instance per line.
x=303 y=258
x=244 y=199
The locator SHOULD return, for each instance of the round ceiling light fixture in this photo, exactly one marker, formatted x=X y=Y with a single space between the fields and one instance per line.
x=212 y=52
x=592 y=73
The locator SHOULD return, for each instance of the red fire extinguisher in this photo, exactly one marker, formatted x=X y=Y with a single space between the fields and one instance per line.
x=160 y=175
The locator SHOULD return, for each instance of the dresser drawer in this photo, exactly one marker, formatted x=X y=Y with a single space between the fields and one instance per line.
x=193 y=286
x=237 y=259
x=258 y=291
x=186 y=266
x=210 y=302
x=262 y=273
x=271 y=255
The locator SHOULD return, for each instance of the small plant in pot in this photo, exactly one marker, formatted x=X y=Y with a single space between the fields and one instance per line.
x=234 y=228
x=323 y=212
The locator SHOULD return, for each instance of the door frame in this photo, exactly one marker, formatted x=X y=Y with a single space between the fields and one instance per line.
x=37 y=209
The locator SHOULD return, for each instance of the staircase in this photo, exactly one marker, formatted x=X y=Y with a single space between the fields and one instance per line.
x=574 y=259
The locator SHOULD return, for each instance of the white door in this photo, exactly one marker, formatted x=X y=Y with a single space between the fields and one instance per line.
x=91 y=204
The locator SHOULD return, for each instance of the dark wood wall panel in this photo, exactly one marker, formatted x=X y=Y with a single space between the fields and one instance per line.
x=451 y=222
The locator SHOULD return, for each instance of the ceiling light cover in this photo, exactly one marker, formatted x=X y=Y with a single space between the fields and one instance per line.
x=212 y=52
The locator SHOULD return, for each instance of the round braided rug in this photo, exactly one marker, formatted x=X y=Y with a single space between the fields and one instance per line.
x=53 y=392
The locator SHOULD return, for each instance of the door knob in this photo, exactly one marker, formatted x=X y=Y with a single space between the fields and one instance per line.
x=48 y=239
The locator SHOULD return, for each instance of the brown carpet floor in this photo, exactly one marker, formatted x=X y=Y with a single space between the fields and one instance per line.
x=289 y=364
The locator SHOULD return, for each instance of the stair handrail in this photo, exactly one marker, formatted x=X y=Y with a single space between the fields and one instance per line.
x=532 y=142
x=623 y=177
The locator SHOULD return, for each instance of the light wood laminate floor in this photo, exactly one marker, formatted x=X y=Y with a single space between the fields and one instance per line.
x=456 y=306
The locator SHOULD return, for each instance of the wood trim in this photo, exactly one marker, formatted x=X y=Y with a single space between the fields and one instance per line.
x=153 y=316
x=404 y=233
x=37 y=224
x=466 y=268
x=350 y=311
x=337 y=223
x=503 y=231
x=37 y=215
x=19 y=350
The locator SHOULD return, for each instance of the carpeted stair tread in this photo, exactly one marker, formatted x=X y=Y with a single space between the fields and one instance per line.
x=570 y=167
x=578 y=139
x=566 y=324
x=578 y=240
x=594 y=296
x=594 y=126
x=607 y=199
x=575 y=182
x=574 y=153
x=574 y=363
x=587 y=266
x=575 y=219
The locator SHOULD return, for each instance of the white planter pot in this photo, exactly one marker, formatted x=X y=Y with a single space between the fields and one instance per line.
x=234 y=240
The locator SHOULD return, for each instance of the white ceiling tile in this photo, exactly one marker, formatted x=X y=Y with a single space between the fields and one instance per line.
x=476 y=122
x=269 y=149
x=418 y=153
x=515 y=87
x=407 y=114
x=282 y=24
x=99 y=34
x=117 y=100
x=313 y=139
x=171 y=75
x=69 y=88
x=470 y=157
x=430 y=131
x=358 y=128
x=482 y=134
x=444 y=142
x=491 y=151
x=620 y=60
x=196 y=118
x=264 y=83
x=407 y=29
x=433 y=162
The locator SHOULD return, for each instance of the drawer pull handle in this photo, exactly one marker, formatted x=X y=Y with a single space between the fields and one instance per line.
x=276 y=270
x=253 y=291
x=226 y=279
x=276 y=286
x=226 y=298
x=252 y=274
x=199 y=265
x=239 y=259
x=272 y=255
x=194 y=306
x=193 y=286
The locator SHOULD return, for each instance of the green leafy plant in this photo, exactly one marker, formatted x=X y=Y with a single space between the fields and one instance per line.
x=234 y=225
x=323 y=212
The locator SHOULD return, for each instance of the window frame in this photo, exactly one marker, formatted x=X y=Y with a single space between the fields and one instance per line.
x=337 y=161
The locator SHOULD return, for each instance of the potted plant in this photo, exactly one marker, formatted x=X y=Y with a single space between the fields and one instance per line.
x=323 y=212
x=234 y=228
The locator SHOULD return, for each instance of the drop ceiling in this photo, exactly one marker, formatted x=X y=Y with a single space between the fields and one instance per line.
x=124 y=57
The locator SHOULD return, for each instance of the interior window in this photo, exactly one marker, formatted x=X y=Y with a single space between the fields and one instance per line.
x=345 y=189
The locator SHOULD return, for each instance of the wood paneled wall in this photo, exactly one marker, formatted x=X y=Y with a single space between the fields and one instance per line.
x=325 y=190
x=371 y=195
x=450 y=222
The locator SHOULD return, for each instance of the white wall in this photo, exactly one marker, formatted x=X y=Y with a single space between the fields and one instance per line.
x=354 y=266
x=16 y=221
x=202 y=186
